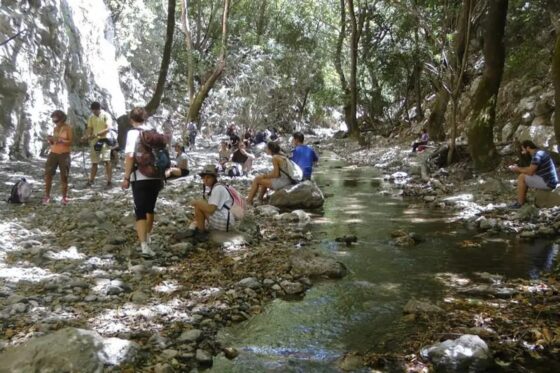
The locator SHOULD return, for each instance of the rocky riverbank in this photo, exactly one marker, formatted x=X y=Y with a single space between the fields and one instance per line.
x=484 y=321
x=77 y=266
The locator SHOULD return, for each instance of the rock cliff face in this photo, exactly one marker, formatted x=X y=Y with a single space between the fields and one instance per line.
x=61 y=57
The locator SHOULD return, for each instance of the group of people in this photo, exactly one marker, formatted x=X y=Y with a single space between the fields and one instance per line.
x=210 y=212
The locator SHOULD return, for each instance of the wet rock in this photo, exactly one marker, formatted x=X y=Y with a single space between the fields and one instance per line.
x=304 y=195
x=350 y=362
x=267 y=210
x=527 y=212
x=67 y=350
x=348 y=240
x=292 y=288
x=468 y=353
x=311 y=263
x=414 y=306
x=203 y=357
x=230 y=352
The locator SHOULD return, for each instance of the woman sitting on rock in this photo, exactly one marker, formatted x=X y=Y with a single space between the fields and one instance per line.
x=274 y=180
x=181 y=167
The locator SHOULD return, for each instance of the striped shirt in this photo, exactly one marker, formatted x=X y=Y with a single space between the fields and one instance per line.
x=545 y=168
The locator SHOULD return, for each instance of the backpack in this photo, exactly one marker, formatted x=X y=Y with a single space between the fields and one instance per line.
x=237 y=208
x=21 y=192
x=293 y=171
x=151 y=157
x=232 y=169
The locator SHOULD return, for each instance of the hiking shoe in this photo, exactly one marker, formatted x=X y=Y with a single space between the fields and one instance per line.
x=147 y=252
x=515 y=206
x=201 y=236
x=64 y=201
x=109 y=185
x=46 y=200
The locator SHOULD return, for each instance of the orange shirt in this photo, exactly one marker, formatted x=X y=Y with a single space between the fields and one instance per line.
x=62 y=139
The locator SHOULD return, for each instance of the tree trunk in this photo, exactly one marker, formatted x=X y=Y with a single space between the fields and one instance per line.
x=436 y=119
x=353 y=129
x=418 y=75
x=186 y=28
x=483 y=115
x=153 y=105
x=338 y=65
x=556 y=80
x=196 y=104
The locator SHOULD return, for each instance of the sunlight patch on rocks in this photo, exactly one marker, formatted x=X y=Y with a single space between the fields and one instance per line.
x=69 y=254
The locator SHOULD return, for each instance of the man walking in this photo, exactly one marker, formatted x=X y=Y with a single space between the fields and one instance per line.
x=541 y=174
x=303 y=155
x=98 y=126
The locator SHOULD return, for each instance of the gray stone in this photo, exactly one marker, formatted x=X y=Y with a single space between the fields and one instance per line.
x=192 y=335
x=203 y=357
x=67 y=350
x=267 y=210
x=547 y=199
x=292 y=288
x=304 y=195
x=527 y=212
x=539 y=134
x=468 y=353
x=249 y=282
x=311 y=263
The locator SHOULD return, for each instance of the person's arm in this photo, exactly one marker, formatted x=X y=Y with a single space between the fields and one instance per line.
x=529 y=170
x=67 y=137
x=89 y=130
x=104 y=132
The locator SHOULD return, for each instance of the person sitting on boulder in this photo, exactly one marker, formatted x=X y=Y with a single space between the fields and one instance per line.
x=242 y=157
x=274 y=180
x=303 y=155
x=212 y=212
x=541 y=174
x=181 y=166
x=423 y=140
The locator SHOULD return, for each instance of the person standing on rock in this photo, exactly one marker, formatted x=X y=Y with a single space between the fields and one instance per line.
x=303 y=155
x=541 y=174
x=59 y=156
x=98 y=126
x=213 y=212
x=145 y=190
x=274 y=180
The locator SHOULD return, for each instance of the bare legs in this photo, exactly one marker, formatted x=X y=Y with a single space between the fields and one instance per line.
x=259 y=182
x=144 y=227
x=521 y=189
x=108 y=172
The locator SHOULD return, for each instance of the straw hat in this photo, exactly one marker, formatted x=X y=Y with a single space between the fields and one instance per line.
x=209 y=169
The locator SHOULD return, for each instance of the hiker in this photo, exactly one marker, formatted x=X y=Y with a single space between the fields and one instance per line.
x=192 y=130
x=59 y=157
x=541 y=174
x=145 y=189
x=274 y=180
x=98 y=126
x=181 y=167
x=422 y=141
x=213 y=213
x=303 y=155
x=242 y=157
x=224 y=154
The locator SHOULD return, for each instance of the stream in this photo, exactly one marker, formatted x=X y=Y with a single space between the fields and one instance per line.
x=363 y=311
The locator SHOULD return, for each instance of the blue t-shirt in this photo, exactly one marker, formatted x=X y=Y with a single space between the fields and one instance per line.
x=304 y=157
x=545 y=168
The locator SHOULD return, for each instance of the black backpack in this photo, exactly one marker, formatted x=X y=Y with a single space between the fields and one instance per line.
x=21 y=192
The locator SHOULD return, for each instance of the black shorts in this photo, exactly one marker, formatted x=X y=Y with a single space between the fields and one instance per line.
x=145 y=193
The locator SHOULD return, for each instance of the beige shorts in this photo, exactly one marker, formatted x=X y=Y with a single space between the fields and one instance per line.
x=102 y=156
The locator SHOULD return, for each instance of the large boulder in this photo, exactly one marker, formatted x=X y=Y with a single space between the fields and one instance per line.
x=304 y=195
x=468 y=353
x=67 y=350
x=540 y=135
x=547 y=198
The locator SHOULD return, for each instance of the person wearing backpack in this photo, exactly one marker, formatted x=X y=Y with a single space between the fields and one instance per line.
x=59 y=156
x=277 y=179
x=213 y=210
x=193 y=131
x=99 y=125
x=303 y=155
x=145 y=189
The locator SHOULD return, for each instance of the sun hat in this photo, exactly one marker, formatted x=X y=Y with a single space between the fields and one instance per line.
x=209 y=169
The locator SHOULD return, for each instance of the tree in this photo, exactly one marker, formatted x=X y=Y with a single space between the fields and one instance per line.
x=195 y=103
x=483 y=114
x=556 y=81
x=153 y=105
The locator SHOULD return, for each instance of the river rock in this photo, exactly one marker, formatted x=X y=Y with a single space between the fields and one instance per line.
x=312 y=263
x=203 y=357
x=267 y=210
x=292 y=288
x=304 y=195
x=190 y=336
x=67 y=350
x=415 y=306
x=250 y=283
x=468 y=353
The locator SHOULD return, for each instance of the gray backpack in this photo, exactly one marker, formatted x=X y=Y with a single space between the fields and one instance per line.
x=21 y=192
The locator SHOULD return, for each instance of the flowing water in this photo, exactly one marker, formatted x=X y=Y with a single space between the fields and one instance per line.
x=364 y=310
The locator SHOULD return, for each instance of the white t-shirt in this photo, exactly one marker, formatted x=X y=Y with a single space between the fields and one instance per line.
x=132 y=137
x=219 y=197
